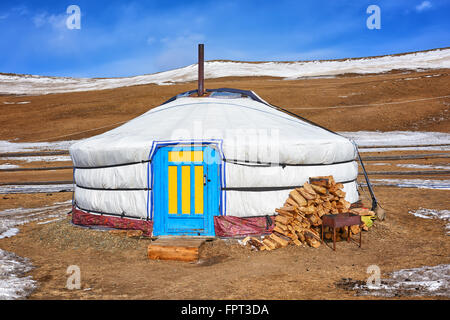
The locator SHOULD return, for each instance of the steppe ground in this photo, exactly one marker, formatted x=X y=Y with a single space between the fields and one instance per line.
x=114 y=267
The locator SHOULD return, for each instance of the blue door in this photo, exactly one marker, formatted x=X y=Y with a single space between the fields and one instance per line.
x=186 y=190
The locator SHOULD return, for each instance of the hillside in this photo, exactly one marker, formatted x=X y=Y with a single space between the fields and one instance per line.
x=36 y=85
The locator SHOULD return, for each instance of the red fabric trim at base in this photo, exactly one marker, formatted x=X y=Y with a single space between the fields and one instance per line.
x=83 y=218
x=227 y=226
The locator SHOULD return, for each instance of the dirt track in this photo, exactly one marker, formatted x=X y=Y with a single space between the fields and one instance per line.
x=114 y=268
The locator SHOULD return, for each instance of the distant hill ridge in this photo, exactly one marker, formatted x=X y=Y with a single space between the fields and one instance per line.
x=288 y=70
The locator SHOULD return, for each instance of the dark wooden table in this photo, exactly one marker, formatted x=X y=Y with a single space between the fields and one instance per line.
x=341 y=220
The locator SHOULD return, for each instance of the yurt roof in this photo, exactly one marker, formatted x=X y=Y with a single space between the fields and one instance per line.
x=238 y=120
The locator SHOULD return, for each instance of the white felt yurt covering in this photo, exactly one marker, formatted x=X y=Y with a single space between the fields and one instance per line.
x=265 y=154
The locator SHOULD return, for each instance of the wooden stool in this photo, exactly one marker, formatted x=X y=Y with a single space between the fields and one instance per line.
x=341 y=220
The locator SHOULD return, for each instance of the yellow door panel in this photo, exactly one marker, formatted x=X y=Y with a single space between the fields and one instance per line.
x=199 y=189
x=186 y=189
x=173 y=204
x=185 y=156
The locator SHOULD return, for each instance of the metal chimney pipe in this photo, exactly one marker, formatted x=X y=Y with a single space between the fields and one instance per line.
x=201 y=66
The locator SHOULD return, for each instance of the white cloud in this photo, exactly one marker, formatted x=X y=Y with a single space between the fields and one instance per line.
x=20 y=10
x=55 y=21
x=423 y=6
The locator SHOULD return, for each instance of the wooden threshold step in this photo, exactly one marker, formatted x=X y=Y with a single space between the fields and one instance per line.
x=175 y=248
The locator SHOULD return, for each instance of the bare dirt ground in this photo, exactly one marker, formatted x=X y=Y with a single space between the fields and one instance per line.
x=114 y=267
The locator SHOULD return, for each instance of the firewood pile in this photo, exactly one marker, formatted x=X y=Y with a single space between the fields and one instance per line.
x=299 y=221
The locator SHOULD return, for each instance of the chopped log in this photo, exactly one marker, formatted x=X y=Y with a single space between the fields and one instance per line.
x=280 y=230
x=345 y=204
x=355 y=229
x=283 y=219
x=300 y=216
x=282 y=242
x=339 y=186
x=291 y=228
x=320 y=182
x=308 y=188
x=256 y=243
x=269 y=244
x=293 y=236
x=323 y=181
x=300 y=236
x=305 y=194
x=308 y=210
x=288 y=208
x=338 y=193
x=306 y=224
x=318 y=200
x=298 y=197
x=291 y=202
x=315 y=220
x=311 y=241
x=362 y=211
x=281 y=226
x=297 y=242
x=313 y=234
x=319 y=189
x=287 y=214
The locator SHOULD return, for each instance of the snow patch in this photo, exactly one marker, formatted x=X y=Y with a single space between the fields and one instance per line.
x=11 y=218
x=8 y=166
x=20 y=102
x=9 y=233
x=396 y=138
x=412 y=183
x=433 y=214
x=51 y=188
x=50 y=221
x=434 y=148
x=7 y=146
x=13 y=283
x=40 y=159
x=422 y=166
x=36 y=85
x=423 y=281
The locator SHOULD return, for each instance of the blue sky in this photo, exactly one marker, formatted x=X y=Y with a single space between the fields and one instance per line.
x=119 y=38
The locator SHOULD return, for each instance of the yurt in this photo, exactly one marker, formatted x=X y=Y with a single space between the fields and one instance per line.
x=214 y=162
